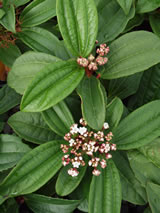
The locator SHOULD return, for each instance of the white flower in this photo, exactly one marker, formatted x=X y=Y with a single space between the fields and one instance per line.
x=73 y=172
x=96 y=172
x=106 y=125
x=82 y=130
x=71 y=142
x=74 y=129
x=76 y=164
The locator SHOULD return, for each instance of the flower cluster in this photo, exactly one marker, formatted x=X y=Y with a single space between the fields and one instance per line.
x=92 y=62
x=81 y=142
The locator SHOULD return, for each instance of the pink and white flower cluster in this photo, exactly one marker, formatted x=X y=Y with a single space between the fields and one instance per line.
x=82 y=142
x=92 y=63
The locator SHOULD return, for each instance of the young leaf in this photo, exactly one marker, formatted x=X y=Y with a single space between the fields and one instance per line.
x=8 y=20
x=59 y=118
x=11 y=151
x=65 y=183
x=9 y=99
x=132 y=133
x=144 y=6
x=39 y=39
x=78 y=23
x=125 y=5
x=114 y=111
x=41 y=204
x=26 y=67
x=33 y=170
x=131 y=53
x=31 y=127
x=143 y=168
x=112 y=20
x=153 y=192
x=51 y=85
x=154 y=22
x=38 y=12
x=92 y=102
x=105 y=191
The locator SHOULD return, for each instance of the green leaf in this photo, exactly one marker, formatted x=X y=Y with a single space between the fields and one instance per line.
x=132 y=133
x=2 y=13
x=51 y=85
x=92 y=102
x=8 y=20
x=151 y=151
x=144 y=6
x=59 y=118
x=11 y=151
x=9 y=206
x=39 y=39
x=105 y=191
x=38 y=12
x=125 y=5
x=125 y=86
x=78 y=23
x=9 y=54
x=153 y=192
x=65 y=183
x=147 y=210
x=154 y=22
x=114 y=111
x=1 y=125
x=112 y=20
x=33 y=170
x=9 y=99
x=31 y=127
x=41 y=204
x=132 y=191
x=131 y=53
x=134 y=22
x=143 y=168
x=26 y=67
x=16 y=3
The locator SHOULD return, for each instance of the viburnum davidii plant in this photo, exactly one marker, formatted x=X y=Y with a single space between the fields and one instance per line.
x=80 y=108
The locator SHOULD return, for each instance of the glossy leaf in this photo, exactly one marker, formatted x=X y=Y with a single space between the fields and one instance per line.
x=78 y=23
x=132 y=191
x=125 y=86
x=65 y=183
x=131 y=53
x=38 y=12
x=126 y=5
x=112 y=20
x=41 y=204
x=154 y=22
x=51 y=85
x=59 y=118
x=143 y=168
x=144 y=6
x=9 y=99
x=134 y=22
x=8 y=20
x=114 y=111
x=105 y=191
x=9 y=54
x=11 y=151
x=31 y=127
x=39 y=39
x=92 y=102
x=26 y=67
x=132 y=133
x=153 y=192
x=33 y=170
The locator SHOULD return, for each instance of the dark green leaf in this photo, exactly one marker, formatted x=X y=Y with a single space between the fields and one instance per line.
x=9 y=206
x=59 y=118
x=105 y=191
x=1 y=125
x=33 y=170
x=144 y=6
x=31 y=127
x=26 y=67
x=9 y=99
x=132 y=133
x=125 y=5
x=65 y=183
x=131 y=53
x=2 y=13
x=154 y=22
x=112 y=20
x=11 y=151
x=147 y=210
x=41 y=204
x=16 y=3
x=38 y=12
x=39 y=39
x=134 y=22
x=78 y=23
x=92 y=100
x=52 y=85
